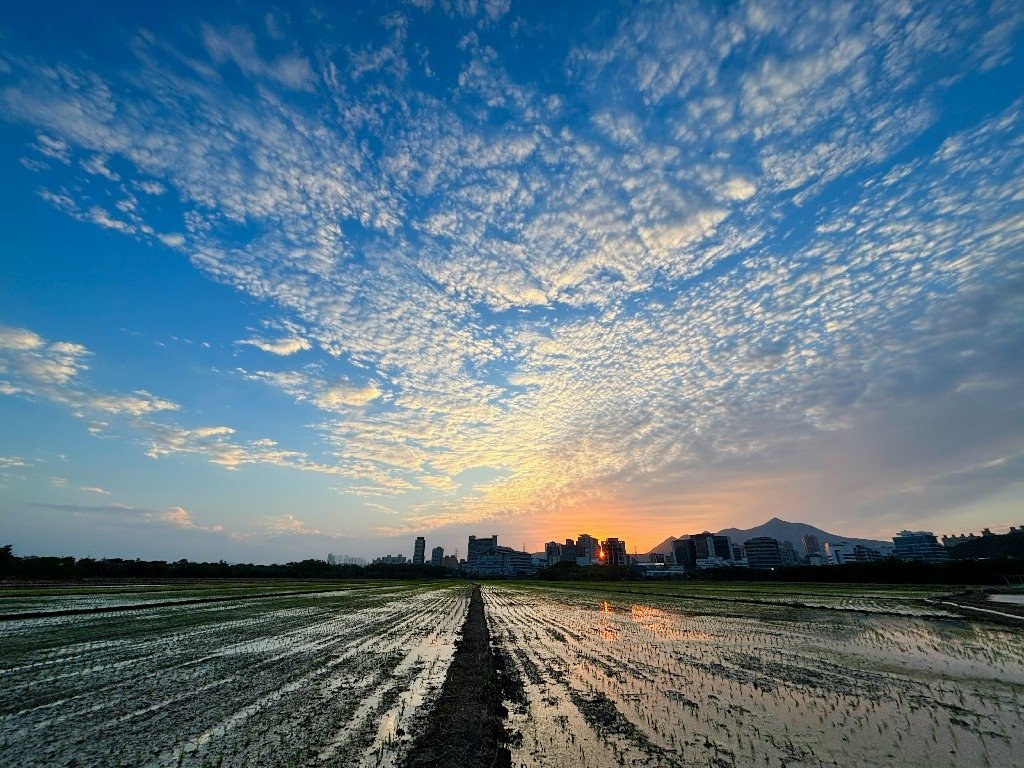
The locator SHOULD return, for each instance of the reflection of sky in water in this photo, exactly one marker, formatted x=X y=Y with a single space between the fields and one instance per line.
x=1012 y=599
x=645 y=683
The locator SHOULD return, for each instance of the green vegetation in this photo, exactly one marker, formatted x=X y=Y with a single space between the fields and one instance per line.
x=72 y=569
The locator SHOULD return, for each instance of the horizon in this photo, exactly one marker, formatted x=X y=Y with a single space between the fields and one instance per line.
x=529 y=549
x=290 y=282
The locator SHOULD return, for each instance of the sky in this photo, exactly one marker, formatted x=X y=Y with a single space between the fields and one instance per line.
x=283 y=280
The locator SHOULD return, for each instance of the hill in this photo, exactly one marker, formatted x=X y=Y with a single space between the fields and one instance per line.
x=783 y=531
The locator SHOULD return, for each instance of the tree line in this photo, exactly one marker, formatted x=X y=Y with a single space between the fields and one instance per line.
x=32 y=568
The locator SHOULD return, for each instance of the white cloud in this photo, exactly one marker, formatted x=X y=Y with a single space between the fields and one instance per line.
x=628 y=276
x=172 y=239
x=285 y=346
x=238 y=45
x=182 y=518
x=53 y=370
x=343 y=393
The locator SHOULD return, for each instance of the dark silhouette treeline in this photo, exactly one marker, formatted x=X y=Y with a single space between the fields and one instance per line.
x=573 y=572
x=81 y=569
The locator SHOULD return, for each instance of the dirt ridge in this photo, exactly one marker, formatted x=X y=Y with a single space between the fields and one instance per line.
x=466 y=729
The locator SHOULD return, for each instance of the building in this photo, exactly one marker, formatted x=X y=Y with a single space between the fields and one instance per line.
x=553 y=552
x=810 y=544
x=437 y=556
x=763 y=552
x=866 y=554
x=418 y=551
x=486 y=558
x=705 y=550
x=613 y=552
x=921 y=546
x=391 y=560
x=954 y=541
x=478 y=545
x=451 y=562
x=684 y=551
x=788 y=551
x=586 y=549
x=840 y=552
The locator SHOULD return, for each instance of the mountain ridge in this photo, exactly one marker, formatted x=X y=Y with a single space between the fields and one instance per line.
x=783 y=530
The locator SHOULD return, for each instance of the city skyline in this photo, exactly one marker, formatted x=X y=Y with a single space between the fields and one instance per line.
x=278 y=284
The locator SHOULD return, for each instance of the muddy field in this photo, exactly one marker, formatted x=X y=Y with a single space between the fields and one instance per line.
x=637 y=675
x=367 y=674
x=323 y=678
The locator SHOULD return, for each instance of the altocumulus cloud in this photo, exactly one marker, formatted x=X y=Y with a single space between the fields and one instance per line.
x=749 y=254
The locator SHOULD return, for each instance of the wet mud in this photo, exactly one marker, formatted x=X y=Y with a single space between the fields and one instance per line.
x=467 y=727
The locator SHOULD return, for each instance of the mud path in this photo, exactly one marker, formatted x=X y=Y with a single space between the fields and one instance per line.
x=467 y=729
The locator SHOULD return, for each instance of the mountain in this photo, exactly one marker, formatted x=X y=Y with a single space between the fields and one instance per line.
x=665 y=548
x=781 y=530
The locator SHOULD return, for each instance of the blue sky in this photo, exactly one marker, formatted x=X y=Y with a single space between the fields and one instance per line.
x=296 y=279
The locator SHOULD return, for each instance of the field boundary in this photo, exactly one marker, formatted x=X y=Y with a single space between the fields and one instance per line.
x=467 y=726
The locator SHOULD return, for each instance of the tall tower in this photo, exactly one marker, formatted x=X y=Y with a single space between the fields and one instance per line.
x=419 y=550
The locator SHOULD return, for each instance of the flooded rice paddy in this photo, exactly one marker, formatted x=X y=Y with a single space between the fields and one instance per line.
x=611 y=678
x=328 y=678
x=608 y=675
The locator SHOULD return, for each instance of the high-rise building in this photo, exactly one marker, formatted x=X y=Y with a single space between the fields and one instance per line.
x=437 y=556
x=788 y=552
x=586 y=549
x=921 y=546
x=486 y=558
x=811 y=545
x=763 y=552
x=840 y=552
x=614 y=552
x=685 y=552
x=419 y=551
x=478 y=545
x=705 y=550
x=553 y=552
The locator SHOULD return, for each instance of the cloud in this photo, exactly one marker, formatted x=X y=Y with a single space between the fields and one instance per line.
x=176 y=517
x=289 y=525
x=343 y=393
x=172 y=239
x=52 y=370
x=594 y=307
x=238 y=45
x=182 y=518
x=121 y=510
x=285 y=346
x=93 y=489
